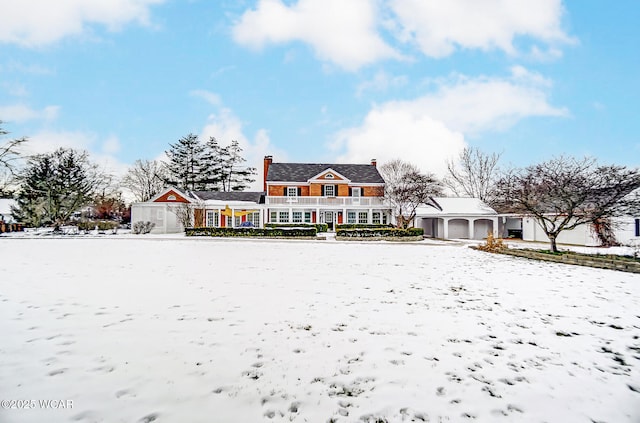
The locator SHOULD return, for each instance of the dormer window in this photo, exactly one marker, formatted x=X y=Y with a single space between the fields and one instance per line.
x=328 y=176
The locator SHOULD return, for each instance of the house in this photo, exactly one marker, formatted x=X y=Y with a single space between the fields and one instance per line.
x=293 y=193
x=202 y=208
x=5 y=210
x=324 y=193
x=625 y=229
x=457 y=217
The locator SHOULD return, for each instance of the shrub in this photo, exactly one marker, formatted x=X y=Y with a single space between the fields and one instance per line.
x=320 y=227
x=363 y=225
x=292 y=232
x=102 y=225
x=142 y=227
x=492 y=244
x=379 y=232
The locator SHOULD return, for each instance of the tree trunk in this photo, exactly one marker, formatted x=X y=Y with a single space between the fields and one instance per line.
x=552 y=239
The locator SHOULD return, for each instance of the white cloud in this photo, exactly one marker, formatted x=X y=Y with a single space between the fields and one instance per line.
x=430 y=129
x=340 y=32
x=440 y=27
x=472 y=105
x=39 y=22
x=208 y=96
x=388 y=133
x=225 y=126
x=382 y=81
x=100 y=152
x=22 y=113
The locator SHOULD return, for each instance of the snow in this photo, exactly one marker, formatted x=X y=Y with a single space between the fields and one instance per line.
x=170 y=329
x=467 y=206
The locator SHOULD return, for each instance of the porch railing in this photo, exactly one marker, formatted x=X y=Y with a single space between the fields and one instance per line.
x=325 y=201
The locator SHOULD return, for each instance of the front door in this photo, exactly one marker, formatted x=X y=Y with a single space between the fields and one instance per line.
x=328 y=219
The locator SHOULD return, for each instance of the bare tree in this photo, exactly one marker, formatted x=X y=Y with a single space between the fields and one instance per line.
x=563 y=193
x=145 y=179
x=406 y=188
x=10 y=156
x=474 y=174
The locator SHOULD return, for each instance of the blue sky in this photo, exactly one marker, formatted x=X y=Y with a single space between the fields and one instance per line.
x=325 y=80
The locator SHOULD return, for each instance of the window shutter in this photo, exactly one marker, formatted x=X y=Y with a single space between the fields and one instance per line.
x=299 y=191
x=322 y=188
x=285 y=191
x=350 y=192
x=637 y=227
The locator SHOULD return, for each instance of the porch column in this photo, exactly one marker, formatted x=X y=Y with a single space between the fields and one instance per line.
x=220 y=216
x=496 y=231
x=369 y=216
x=445 y=227
x=166 y=214
x=290 y=215
x=233 y=218
x=471 y=228
x=317 y=215
x=344 y=216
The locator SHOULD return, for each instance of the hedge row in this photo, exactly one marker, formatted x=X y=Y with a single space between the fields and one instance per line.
x=363 y=225
x=379 y=232
x=103 y=225
x=252 y=232
x=320 y=227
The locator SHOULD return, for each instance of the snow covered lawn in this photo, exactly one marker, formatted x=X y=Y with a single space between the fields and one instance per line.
x=181 y=330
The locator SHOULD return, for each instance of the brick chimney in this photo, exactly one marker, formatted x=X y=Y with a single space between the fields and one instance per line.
x=374 y=162
x=267 y=162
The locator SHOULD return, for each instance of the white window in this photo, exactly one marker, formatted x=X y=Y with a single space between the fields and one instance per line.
x=356 y=192
x=212 y=218
x=273 y=217
x=363 y=217
x=292 y=191
x=297 y=217
x=228 y=221
x=307 y=217
x=329 y=190
x=328 y=176
x=160 y=214
x=171 y=197
x=376 y=218
x=384 y=218
x=238 y=221
x=283 y=217
x=351 y=217
x=254 y=218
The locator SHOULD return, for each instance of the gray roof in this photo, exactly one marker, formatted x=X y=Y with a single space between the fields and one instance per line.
x=302 y=172
x=255 y=196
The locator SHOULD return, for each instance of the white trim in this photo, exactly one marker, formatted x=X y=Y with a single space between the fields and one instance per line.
x=166 y=190
x=316 y=178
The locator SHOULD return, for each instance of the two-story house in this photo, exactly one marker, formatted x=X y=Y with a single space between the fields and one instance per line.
x=293 y=193
x=324 y=193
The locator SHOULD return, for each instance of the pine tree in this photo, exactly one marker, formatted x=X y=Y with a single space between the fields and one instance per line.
x=185 y=167
x=235 y=176
x=213 y=163
x=54 y=186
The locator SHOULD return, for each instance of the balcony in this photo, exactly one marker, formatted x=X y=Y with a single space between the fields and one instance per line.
x=325 y=201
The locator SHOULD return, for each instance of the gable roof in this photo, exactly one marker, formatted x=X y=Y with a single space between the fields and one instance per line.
x=456 y=206
x=302 y=172
x=252 y=196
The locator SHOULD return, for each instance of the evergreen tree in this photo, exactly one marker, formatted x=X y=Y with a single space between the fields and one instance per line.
x=54 y=186
x=235 y=176
x=185 y=167
x=213 y=164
